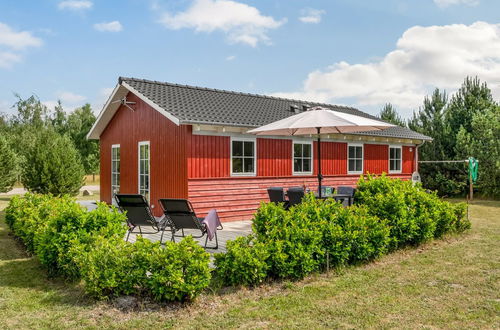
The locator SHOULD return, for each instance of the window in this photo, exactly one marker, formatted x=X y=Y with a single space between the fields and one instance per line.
x=395 y=159
x=355 y=159
x=144 y=169
x=243 y=157
x=115 y=171
x=302 y=158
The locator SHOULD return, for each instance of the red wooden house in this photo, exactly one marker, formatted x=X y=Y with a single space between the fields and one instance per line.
x=180 y=141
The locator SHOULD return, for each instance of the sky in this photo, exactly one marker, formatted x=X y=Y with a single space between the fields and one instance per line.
x=361 y=53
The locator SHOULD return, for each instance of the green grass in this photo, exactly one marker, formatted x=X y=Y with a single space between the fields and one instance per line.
x=450 y=283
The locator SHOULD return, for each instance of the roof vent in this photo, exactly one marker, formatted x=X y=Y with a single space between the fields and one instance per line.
x=294 y=108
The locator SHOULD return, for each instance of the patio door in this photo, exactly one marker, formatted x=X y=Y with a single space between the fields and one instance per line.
x=144 y=169
x=115 y=172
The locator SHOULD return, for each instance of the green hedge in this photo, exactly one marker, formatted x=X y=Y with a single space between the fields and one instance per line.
x=389 y=214
x=75 y=243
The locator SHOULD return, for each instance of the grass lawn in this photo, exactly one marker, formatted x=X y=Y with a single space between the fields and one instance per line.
x=450 y=283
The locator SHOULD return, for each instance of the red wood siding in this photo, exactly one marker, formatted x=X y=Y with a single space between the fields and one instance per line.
x=238 y=198
x=274 y=157
x=333 y=158
x=209 y=156
x=408 y=159
x=376 y=158
x=168 y=161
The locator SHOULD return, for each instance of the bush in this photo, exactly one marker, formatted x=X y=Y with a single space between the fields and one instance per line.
x=292 y=238
x=52 y=165
x=8 y=166
x=178 y=271
x=413 y=214
x=108 y=268
x=244 y=263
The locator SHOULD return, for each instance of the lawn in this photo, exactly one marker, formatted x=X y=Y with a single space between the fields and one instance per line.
x=450 y=283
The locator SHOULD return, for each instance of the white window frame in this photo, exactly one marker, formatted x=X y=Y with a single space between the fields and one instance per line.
x=244 y=139
x=362 y=157
x=114 y=146
x=400 y=160
x=294 y=142
x=143 y=143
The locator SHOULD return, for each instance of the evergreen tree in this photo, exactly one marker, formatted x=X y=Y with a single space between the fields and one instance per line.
x=8 y=166
x=52 y=165
x=389 y=114
x=79 y=123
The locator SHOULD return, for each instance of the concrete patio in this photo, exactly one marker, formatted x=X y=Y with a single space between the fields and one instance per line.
x=231 y=231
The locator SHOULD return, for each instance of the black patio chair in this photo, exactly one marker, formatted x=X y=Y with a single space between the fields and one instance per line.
x=295 y=195
x=346 y=190
x=181 y=215
x=277 y=195
x=139 y=215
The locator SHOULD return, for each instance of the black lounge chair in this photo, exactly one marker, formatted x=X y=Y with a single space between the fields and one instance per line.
x=346 y=190
x=295 y=195
x=181 y=215
x=277 y=195
x=139 y=215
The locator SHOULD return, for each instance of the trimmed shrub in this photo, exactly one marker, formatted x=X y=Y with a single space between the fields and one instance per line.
x=413 y=214
x=178 y=271
x=292 y=238
x=244 y=263
x=108 y=268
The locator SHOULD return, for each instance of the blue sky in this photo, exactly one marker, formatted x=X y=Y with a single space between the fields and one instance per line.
x=353 y=52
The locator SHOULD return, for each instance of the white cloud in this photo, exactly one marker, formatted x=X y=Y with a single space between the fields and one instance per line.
x=70 y=98
x=242 y=23
x=310 y=15
x=230 y=57
x=446 y=3
x=17 y=40
x=12 y=43
x=114 y=26
x=75 y=5
x=102 y=97
x=424 y=58
x=7 y=59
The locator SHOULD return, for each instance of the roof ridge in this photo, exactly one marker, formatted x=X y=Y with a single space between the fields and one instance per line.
x=120 y=79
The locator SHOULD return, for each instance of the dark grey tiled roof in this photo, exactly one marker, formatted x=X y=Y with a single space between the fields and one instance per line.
x=198 y=105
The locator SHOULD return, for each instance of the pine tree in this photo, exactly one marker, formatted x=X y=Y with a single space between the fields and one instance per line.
x=52 y=165
x=389 y=114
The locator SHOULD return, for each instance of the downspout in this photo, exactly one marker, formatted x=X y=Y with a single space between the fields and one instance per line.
x=416 y=154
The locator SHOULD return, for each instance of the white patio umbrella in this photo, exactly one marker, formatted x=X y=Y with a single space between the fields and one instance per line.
x=317 y=121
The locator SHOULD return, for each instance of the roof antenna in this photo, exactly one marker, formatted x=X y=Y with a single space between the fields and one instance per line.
x=124 y=102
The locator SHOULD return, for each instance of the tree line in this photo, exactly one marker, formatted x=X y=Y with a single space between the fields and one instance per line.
x=467 y=124
x=46 y=149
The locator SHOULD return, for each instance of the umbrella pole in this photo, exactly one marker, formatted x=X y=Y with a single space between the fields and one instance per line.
x=320 y=176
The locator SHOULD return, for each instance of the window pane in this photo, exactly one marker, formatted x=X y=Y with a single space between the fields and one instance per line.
x=359 y=152
x=248 y=165
x=307 y=150
x=391 y=153
x=237 y=148
x=237 y=165
x=352 y=166
x=297 y=150
x=352 y=152
x=306 y=165
x=398 y=153
x=297 y=165
x=359 y=165
x=248 y=149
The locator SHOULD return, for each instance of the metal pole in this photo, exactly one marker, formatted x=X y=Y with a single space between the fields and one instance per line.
x=320 y=177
